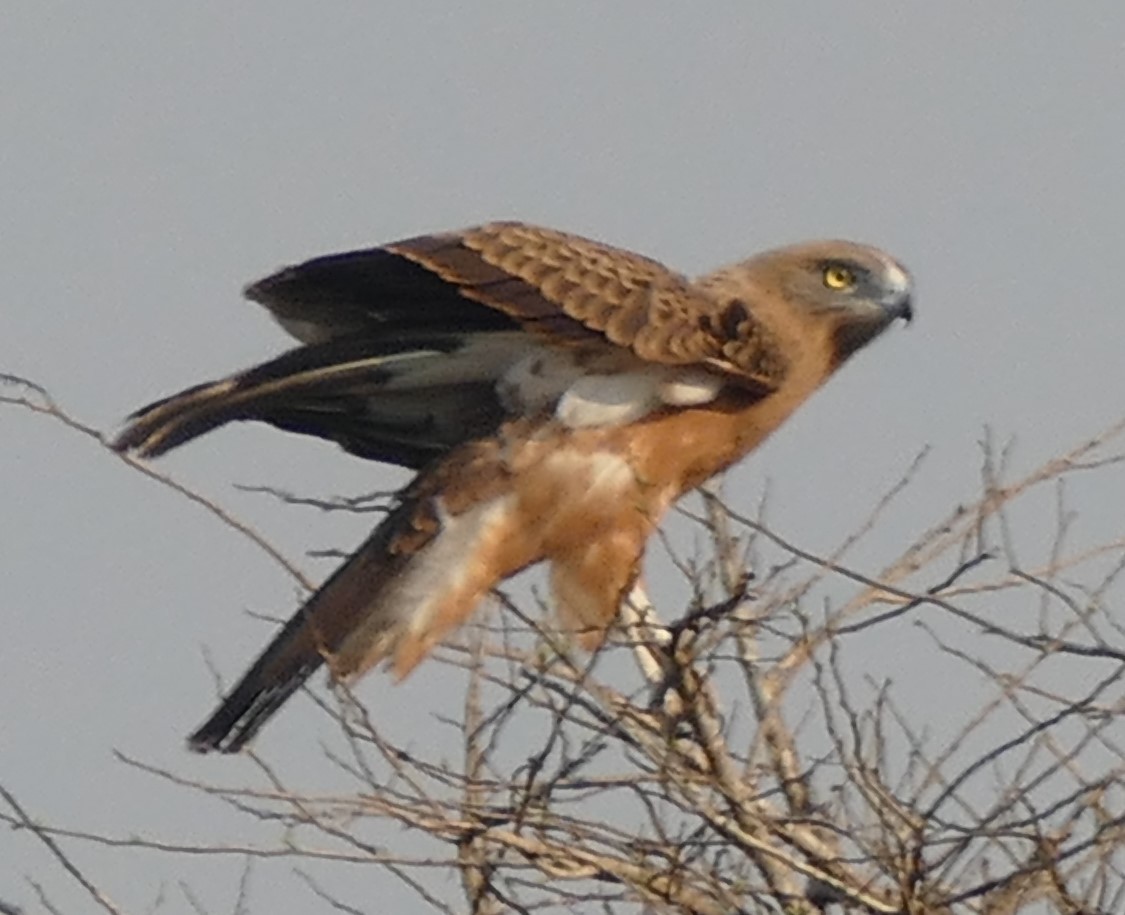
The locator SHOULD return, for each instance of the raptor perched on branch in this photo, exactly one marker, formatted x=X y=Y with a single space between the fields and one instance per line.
x=556 y=395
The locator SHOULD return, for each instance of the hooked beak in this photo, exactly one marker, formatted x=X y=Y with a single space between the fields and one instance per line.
x=903 y=308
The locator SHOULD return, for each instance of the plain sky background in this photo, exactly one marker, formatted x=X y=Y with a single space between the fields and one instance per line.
x=155 y=157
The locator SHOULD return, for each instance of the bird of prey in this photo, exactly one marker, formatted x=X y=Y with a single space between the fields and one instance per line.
x=556 y=396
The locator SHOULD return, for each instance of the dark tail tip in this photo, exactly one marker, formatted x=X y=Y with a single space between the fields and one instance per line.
x=243 y=713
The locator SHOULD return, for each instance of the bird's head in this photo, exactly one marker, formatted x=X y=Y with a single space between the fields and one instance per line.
x=839 y=293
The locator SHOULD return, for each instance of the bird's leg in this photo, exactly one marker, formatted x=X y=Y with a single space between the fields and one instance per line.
x=646 y=636
x=651 y=642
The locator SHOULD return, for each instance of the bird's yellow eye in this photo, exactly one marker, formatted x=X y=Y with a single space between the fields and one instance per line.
x=837 y=276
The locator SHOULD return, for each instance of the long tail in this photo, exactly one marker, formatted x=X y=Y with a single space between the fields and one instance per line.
x=349 y=600
x=452 y=538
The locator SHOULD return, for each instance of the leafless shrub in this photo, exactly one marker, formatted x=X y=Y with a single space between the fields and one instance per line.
x=754 y=759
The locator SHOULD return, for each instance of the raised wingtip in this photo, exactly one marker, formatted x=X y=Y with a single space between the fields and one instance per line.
x=134 y=436
x=261 y=291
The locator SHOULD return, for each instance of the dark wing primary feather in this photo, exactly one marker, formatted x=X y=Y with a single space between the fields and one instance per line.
x=399 y=397
x=373 y=290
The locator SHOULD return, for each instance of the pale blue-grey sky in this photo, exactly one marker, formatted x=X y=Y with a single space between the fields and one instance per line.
x=155 y=157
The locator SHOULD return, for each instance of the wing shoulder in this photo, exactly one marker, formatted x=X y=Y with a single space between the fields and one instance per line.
x=570 y=288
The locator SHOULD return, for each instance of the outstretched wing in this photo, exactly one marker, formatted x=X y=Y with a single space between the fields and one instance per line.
x=406 y=344
x=561 y=287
